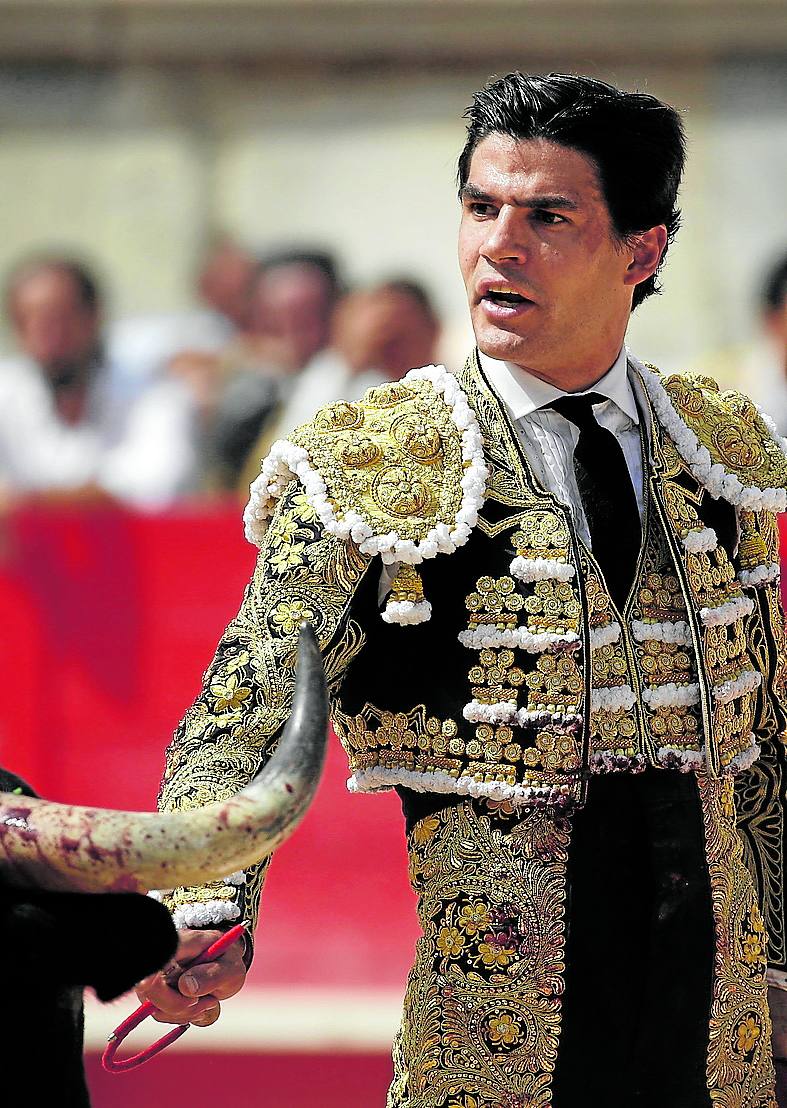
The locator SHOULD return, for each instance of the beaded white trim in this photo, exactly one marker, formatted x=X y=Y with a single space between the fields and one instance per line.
x=683 y=760
x=502 y=711
x=541 y=569
x=619 y=698
x=202 y=913
x=700 y=541
x=686 y=760
x=236 y=878
x=712 y=476
x=526 y=717
x=745 y=759
x=671 y=695
x=603 y=636
x=378 y=778
x=607 y=761
x=745 y=682
x=760 y=575
x=505 y=711
x=287 y=461
x=677 y=633
x=406 y=612
x=479 y=638
x=728 y=612
x=770 y=424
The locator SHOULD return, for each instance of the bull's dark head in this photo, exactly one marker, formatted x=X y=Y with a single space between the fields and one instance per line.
x=60 y=847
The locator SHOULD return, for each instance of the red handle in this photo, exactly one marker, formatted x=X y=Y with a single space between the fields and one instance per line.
x=108 y=1060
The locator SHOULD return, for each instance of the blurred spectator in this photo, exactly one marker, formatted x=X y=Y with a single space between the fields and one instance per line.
x=377 y=335
x=774 y=318
x=70 y=422
x=291 y=301
x=224 y=281
x=292 y=298
x=144 y=346
x=759 y=368
x=382 y=332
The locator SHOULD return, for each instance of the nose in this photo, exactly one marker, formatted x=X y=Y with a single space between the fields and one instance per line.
x=505 y=240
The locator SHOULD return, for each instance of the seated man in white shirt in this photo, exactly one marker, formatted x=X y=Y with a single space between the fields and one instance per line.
x=72 y=424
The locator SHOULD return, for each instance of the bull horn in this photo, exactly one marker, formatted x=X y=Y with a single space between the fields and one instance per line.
x=59 y=846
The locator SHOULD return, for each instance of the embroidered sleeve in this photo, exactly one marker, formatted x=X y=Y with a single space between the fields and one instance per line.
x=232 y=728
x=760 y=790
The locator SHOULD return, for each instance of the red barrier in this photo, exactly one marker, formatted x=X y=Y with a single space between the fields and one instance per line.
x=109 y=620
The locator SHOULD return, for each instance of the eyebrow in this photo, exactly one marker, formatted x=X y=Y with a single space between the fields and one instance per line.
x=470 y=191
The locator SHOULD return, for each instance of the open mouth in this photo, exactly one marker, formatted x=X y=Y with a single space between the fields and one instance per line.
x=505 y=298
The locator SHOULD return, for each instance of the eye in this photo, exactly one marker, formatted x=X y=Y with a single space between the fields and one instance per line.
x=480 y=208
x=551 y=219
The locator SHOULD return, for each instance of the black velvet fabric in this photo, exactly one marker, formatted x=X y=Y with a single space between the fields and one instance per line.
x=640 y=948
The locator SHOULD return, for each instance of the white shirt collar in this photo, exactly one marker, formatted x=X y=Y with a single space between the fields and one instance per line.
x=522 y=393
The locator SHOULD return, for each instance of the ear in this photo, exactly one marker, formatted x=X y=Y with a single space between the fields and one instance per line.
x=646 y=250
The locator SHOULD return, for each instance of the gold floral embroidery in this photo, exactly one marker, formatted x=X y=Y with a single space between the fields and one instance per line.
x=232 y=728
x=482 y=1011
x=495 y=603
x=730 y=427
x=540 y=530
x=553 y=606
x=399 y=740
x=395 y=458
x=760 y=791
x=739 y=1067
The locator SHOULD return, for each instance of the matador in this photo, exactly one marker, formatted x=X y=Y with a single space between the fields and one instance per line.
x=546 y=589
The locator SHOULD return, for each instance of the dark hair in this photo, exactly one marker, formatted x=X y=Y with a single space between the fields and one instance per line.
x=320 y=260
x=82 y=278
x=406 y=286
x=774 y=289
x=636 y=143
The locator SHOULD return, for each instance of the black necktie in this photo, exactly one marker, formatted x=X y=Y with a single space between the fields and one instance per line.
x=607 y=494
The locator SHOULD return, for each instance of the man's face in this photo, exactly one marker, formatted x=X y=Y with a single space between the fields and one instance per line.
x=53 y=326
x=292 y=304
x=544 y=272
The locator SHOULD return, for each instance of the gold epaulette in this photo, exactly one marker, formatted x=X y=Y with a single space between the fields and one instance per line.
x=401 y=473
x=393 y=458
x=733 y=430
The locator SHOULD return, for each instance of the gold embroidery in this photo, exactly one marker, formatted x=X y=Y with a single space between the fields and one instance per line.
x=730 y=427
x=739 y=1067
x=410 y=740
x=553 y=606
x=395 y=457
x=495 y=603
x=482 y=1012
x=760 y=790
x=598 y=601
x=496 y=678
x=233 y=726
x=407 y=584
x=555 y=684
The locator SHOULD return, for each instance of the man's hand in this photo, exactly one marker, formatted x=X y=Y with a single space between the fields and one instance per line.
x=193 y=995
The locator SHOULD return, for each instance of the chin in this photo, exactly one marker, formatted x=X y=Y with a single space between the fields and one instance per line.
x=502 y=345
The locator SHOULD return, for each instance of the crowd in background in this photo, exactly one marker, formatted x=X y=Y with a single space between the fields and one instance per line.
x=150 y=410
